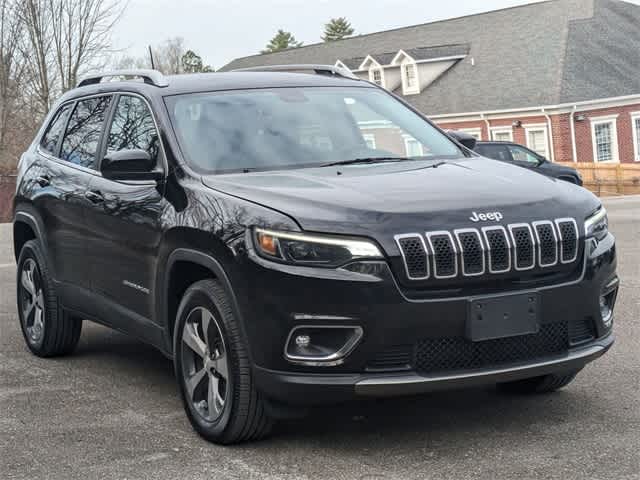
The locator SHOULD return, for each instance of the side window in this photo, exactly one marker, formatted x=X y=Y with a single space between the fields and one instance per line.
x=133 y=127
x=520 y=154
x=81 y=140
x=49 y=142
x=497 y=152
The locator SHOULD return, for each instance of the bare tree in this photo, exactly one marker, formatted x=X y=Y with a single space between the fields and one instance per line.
x=11 y=68
x=81 y=34
x=65 y=38
x=36 y=50
x=168 y=56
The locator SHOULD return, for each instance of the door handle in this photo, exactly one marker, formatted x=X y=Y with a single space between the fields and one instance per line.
x=94 y=197
x=43 y=181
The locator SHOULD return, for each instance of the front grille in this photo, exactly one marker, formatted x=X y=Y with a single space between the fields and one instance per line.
x=499 y=249
x=445 y=261
x=458 y=353
x=472 y=252
x=547 y=243
x=496 y=250
x=524 y=246
x=568 y=231
x=415 y=256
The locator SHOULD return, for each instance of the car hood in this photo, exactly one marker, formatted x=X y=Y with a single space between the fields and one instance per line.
x=407 y=196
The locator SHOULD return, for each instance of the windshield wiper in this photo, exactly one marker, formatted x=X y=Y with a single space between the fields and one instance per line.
x=357 y=161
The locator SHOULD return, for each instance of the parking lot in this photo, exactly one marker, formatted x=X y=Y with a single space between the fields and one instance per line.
x=112 y=411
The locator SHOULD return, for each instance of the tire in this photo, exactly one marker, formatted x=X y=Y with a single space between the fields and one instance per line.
x=213 y=368
x=539 y=385
x=47 y=329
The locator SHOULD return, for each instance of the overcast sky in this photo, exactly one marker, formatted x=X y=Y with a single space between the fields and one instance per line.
x=221 y=30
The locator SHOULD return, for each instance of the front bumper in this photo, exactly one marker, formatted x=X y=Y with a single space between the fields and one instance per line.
x=305 y=389
x=281 y=299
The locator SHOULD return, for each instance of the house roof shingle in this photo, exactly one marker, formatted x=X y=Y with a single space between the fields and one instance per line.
x=538 y=54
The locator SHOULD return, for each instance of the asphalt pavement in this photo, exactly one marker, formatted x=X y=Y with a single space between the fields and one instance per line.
x=111 y=411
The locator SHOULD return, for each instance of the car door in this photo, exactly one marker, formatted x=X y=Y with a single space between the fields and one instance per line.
x=125 y=217
x=66 y=163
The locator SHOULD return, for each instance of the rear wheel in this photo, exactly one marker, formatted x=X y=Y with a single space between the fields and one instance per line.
x=47 y=329
x=213 y=369
x=544 y=384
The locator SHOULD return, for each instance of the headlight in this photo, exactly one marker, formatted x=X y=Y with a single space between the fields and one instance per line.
x=597 y=226
x=312 y=250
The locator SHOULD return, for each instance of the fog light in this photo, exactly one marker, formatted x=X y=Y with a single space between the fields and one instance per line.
x=606 y=310
x=607 y=303
x=321 y=345
x=303 y=340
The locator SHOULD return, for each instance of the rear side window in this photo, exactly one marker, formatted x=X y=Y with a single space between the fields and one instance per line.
x=81 y=140
x=49 y=142
x=133 y=127
x=497 y=152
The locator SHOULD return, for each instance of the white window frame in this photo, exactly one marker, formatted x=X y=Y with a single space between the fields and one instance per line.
x=538 y=127
x=407 y=140
x=474 y=132
x=406 y=89
x=613 y=120
x=635 y=117
x=370 y=137
x=494 y=130
x=377 y=68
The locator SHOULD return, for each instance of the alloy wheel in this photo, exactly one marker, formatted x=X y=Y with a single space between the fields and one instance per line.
x=32 y=302
x=204 y=364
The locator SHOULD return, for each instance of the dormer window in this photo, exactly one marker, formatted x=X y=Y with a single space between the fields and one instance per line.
x=376 y=75
x=410 y=75
x=408 y=72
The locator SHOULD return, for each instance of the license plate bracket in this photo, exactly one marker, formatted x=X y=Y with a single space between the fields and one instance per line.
x=503 y=316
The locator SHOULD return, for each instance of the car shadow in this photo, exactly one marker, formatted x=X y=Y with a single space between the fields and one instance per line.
x=460 y=417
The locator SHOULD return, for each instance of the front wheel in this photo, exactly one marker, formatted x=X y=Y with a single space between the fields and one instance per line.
x=213 y=369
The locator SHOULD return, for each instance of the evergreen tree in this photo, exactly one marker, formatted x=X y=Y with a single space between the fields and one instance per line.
x=337 y=29
x=192 y=63
x=282 y=41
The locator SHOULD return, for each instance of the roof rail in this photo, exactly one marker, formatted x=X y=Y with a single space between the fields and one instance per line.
x=303 y=68
x=150 y=77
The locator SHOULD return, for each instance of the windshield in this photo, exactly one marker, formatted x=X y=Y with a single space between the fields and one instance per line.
x=284 y=128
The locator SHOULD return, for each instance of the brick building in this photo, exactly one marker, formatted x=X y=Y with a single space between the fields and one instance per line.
x=562 y=77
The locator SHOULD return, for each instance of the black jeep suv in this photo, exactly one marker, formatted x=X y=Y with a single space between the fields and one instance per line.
x=297 y=238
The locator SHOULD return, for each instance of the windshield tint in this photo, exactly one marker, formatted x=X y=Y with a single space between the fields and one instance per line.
x=300 y=127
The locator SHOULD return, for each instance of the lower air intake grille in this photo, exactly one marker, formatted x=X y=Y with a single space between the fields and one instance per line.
x=581 y=330
x=457 y=353
x=393 y=359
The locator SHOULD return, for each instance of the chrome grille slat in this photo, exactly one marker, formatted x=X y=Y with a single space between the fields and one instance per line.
x=494 y=249
x=547 y=241
x=414 y=255
x=444 y=254
x=524 y=246
x=472 y=252
x=499 y=249
x=568 y=238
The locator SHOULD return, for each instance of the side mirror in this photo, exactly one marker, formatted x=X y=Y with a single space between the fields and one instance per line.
x=465 y=139
x=129 y=165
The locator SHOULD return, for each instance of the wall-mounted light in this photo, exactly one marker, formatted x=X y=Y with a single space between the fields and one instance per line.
x=580 y=118
x=517 y=124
